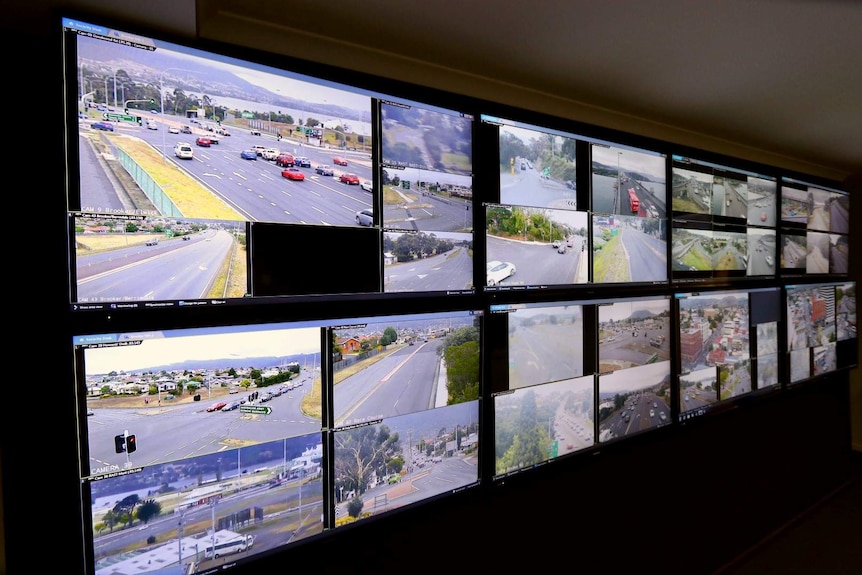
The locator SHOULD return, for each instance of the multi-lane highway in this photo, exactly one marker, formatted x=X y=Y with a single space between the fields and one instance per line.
x=255 y=189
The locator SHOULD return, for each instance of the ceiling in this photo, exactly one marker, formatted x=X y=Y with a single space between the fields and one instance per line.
x=777 y=81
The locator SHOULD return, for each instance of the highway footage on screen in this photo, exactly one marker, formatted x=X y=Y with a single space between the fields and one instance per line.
x=724 y=221
x=545 y=343
x=165 y=130
x=121 y=259
x=383 y=367
x=536 y=424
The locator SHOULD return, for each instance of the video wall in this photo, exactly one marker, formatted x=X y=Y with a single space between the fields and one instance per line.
x=284 y=323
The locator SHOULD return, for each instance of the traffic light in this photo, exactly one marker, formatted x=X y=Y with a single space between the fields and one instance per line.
x=119 y=443
x=131 y=444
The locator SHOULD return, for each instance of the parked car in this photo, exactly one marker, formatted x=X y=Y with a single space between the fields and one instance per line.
x=324 y=170
x=184 y=151
x=497 y=271
x=365 y=217
x=293 y=174
x=204 y=142
x=339 y=161
x=106 y=126
x=248 y=155
x=348 y=178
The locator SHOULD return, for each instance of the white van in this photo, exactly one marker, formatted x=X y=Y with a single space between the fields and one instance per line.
x=184 y=151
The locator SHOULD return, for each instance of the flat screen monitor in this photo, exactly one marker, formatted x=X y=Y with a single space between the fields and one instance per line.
x=815 y=227
x=728 y=342
x=569 y=369
x=724 y=221
x=629 y=214
x=198 y=178
x=405 y=418
x=634 y=372
x=199 y=446
x=821 y=329
x=213 y=445
x=536 y=218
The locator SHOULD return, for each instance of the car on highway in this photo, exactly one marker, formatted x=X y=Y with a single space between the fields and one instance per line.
x=231 y=406
x=255 y=132
x=152 y=125
x=324 y=170
x=302 y=162
x=293 y=174
x=216 y=406
x=270 y=153
x=339 y=161
x=769 y=260
x=184 y=151
x=367 y=186
x=497 y=271
x=348 y=178
x=153 y=242
x=106 y=126
x=173 y=130
x=562 y=248
x=186 y=130
x=203 y=142
x=365 y=217
x=248 y=155
x=285 y=160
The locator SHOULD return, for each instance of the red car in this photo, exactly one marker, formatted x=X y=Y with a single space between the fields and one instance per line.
x=348 y=178
x=216 y=406
x=205 y=142
x=293 y=174
x=339 y=161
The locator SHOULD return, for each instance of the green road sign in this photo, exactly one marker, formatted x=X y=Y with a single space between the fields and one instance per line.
x=121 y=117
x=553 y=449
x=256 y=409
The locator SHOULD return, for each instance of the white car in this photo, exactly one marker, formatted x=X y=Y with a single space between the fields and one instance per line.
x=173 y=130
x=184 y=151
x=497 y=271
x=367 y=186
x=269 y=153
